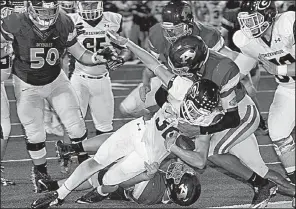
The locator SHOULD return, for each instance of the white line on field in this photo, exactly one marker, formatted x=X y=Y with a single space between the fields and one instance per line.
x=279 y=204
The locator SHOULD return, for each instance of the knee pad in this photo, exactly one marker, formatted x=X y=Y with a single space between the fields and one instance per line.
x=5 y=128
x=284 y=146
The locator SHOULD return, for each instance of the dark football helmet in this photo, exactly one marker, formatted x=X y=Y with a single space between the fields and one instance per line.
x=187 y=55
x=68 y=6
x=43 y=13
x=183 y=185
x=200 y=102
x=256 y=17
x=177 y=20
x=90 y=10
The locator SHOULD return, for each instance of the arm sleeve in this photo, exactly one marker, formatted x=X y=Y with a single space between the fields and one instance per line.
x=9 y=27
x=229 y=120
x=72 y=33
x=178 y=87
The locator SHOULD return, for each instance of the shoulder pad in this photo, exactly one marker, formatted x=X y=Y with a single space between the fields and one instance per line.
x=75 y=17
x=113 y=17
x=13 y=23
x=285 y=23
x=240 y=40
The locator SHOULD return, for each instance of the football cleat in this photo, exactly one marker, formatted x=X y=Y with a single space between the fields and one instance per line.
x=91 y=197
x=262 y=129
x=64 y=152
x=263 y=194
x=47 y=185
x=35 y=177
x=49 y=199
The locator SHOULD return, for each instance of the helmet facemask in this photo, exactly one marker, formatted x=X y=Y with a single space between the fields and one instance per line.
x=172 y=32
x=44 y=15
x=67 y=4
x=90 y=10
x=253 y=25
x=181 y=71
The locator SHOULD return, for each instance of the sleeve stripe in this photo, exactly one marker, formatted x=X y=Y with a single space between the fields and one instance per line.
x=231 y=83
x=219 y=45
x=232 y=109
x=227 y=93
x=8 y=36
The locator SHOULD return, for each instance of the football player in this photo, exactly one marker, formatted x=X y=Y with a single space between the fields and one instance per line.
x=39 y=37
x=251 y=80
x=269 y=37
x=136 y=143
x=93 y=84
x=191 y=57
x=5 y=63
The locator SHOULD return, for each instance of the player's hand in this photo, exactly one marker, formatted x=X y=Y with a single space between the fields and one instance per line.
x=267 y=65
x=79 y=28
x=171 y=140
x=117 y=39
x=188 y=129
x=151 y=169
x=105 y=55
x=144 y=90
x=113 y=65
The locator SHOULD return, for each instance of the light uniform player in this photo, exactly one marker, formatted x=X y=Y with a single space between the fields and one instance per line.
x=93 y=84
x=37 y=74
x=272 y=38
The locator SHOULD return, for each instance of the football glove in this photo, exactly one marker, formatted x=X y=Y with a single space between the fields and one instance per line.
x=105 y=55
x=113 y=65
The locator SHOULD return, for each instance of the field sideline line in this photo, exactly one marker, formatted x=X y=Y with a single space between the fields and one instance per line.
x=279 y=204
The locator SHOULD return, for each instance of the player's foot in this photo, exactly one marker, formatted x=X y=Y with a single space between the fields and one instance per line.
x=64 y=152
x=6 y=182
x=46 y=185
x=91 y=197
x=263 y=194
x=49 y=199
x=35 y=177
x=119 y=194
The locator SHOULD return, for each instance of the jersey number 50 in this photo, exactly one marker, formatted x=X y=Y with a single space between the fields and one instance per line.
x=37 y=54
x=163 y=126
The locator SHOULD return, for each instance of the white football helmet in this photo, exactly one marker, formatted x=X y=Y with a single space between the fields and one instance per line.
x=90 y=10
x=43 y=13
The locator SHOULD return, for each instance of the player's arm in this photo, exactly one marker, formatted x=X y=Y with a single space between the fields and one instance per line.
x=228 y=97
x=199 y=156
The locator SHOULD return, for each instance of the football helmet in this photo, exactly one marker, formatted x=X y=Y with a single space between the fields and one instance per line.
x=43 y=13
x=90 y=10
x=67 y=5
x=199 y=103
x=177 y=20
x=255 y=17
x=183 y=185
x=187 y=55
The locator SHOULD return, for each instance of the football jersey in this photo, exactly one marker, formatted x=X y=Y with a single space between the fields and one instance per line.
x=5 y=63
x=159 y=46
x=94 y=37
x=280 y=50
x=37 y=53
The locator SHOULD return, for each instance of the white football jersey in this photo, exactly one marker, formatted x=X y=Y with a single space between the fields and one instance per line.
x=281 y=49
x=94 y=37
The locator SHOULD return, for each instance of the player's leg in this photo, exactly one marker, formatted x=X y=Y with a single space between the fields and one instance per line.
x=51 y=121
x=281 y=121
x=134 y=106
x=30 y=106
x=102 y=104
x=252 y=92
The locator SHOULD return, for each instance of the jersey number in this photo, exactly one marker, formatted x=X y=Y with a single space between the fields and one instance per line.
x=94 y=44
x=6 y=62
x=37 y=54
x=284 y=60
x=163 y=126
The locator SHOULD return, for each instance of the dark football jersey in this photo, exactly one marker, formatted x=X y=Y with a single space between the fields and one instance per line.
x=159 y=45
x=38 y=53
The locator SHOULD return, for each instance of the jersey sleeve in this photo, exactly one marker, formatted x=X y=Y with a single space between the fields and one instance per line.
x=287 y=28
x=211 y=36
x=155 y=40
x=67 y=29
x=180 y=87
x=10 y=26
x=228 y=85
x=242 y=42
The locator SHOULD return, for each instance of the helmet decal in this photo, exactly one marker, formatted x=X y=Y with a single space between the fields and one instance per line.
x=189 y=54
x=263 y=4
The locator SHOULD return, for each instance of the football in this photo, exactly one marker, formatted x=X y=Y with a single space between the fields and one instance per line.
x=185 y=143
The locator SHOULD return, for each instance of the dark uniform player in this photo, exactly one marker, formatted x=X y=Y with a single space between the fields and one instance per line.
x=39 y=37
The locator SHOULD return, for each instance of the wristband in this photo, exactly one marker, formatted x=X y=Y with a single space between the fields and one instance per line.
x=282 y=70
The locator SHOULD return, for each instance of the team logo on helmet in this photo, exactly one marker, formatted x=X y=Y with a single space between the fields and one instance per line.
x=194 y=90
x=183 y=192
x=263 y=4
x=189 y=54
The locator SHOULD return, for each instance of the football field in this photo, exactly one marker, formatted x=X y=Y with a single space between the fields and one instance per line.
x=219 y=188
